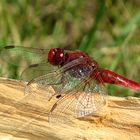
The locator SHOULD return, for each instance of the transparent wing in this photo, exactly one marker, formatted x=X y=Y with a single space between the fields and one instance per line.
x=84 y=100
x=18 y=55
x=63 y=111
x=91 y=100
x=36 y=70
x=45 y=86
x=61 y=80
x=72 y=88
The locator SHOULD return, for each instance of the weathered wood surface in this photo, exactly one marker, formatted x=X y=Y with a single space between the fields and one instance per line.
x=119 y=120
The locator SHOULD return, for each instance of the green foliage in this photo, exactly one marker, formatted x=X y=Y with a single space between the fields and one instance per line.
x=107 y=30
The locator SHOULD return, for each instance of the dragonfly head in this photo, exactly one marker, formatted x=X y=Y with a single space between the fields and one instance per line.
x=56 y=56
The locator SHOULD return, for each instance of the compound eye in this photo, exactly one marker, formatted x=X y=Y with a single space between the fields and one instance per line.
x=51 y=55
x=59 y=56
x=56 y=56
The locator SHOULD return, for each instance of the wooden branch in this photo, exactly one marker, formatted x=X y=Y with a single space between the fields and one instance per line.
x=26 y=118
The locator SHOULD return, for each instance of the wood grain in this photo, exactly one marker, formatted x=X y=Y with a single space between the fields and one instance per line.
x=25 y=118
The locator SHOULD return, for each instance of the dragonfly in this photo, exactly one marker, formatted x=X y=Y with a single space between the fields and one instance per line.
x=76 y=78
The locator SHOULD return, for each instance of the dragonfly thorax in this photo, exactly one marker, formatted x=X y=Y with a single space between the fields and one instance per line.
x=81 y=71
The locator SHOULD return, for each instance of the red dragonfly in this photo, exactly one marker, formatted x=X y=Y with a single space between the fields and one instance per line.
x=77 y=80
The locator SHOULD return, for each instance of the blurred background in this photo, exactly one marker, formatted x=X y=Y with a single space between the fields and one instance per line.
x=108 y=30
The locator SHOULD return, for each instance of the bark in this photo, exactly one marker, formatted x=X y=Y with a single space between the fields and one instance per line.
x=25 y=117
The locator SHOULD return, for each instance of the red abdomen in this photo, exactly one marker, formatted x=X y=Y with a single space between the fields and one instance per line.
x=114 y=78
